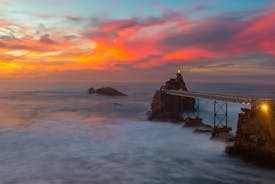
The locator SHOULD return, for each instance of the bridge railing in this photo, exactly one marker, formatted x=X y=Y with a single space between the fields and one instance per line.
x=219 y=97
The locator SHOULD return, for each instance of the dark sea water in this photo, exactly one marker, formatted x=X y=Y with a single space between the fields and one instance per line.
x=56 y=133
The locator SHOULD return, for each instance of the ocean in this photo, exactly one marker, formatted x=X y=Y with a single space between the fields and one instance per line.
x=57 y=133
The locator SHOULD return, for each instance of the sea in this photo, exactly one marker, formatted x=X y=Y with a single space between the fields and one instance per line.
x=55 y=133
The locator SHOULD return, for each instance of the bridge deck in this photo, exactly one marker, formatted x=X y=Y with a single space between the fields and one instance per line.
x=219 y=97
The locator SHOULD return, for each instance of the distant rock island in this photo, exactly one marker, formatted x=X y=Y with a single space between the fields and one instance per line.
x=106 y=91
x=170 y=108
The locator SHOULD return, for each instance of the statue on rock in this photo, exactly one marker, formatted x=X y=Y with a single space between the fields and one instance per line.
x=170 y=108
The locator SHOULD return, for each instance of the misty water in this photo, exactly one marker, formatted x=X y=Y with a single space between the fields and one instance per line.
x=57 y=133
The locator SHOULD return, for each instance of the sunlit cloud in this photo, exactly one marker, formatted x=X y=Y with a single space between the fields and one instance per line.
x=139 y=42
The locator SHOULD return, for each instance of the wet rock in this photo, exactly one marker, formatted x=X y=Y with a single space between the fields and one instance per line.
x=193 y=122
x=91 y=91
x=255 y=139
x=203 y=129
x=224 y=137
x=222 y=134
x=170 y=108
x=108 y=91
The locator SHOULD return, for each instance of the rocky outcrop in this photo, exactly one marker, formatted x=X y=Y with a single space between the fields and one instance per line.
x=193 y=122
x=170 y=108
x=225 y=137
x=91 y=91
x=106 y=91
x=255 y=138
x=204 y=129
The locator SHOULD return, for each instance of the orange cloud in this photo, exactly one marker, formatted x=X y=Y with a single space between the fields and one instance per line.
x=137 y=42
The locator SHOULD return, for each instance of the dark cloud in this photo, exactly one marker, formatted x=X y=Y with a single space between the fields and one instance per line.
x=116 y=24
x=7 y=33
x=74 y=18
x=215 y=34
x=46 y=39
x=148 y=59
x=71 y=37
x=7 y=37
x=2 y=45
x=24 y=45
x=110 y=29
x=41 y=28
x=121 y=24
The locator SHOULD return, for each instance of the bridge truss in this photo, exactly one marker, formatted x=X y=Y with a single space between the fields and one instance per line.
x=220 y=104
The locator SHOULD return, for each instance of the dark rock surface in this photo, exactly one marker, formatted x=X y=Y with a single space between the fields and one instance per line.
x=170 y=108
x=255 y=139
x=108 y=91
x=225 y=137
x=223 y=134
x=203 y=129
x=193 y=122
x=91 y=91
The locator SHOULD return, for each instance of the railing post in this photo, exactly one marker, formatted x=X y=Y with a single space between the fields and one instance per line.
x=215 y=113
x=220 y=117
x=226 y=114
x=198 y=107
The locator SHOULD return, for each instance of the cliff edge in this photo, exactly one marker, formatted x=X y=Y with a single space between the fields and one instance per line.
x=255 y=138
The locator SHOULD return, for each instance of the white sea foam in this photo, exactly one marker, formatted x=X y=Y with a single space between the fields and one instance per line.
x=49 y=137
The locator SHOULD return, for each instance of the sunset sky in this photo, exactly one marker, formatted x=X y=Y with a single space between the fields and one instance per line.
x=137 y=40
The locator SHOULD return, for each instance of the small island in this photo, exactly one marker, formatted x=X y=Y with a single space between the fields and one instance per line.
x=106 y=91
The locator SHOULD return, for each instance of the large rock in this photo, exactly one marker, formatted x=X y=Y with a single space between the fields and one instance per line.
x=108 y=91
x=91 y=91
x=170 y=108
x=255 y=139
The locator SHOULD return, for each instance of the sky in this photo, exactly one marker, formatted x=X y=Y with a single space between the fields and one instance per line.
x=144 y=40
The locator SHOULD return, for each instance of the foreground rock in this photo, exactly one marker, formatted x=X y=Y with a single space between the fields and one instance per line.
x=193 y=122
x=170 y=108
x=204 y=129
x=225 y=137
x=107 y=91
x=255 y=139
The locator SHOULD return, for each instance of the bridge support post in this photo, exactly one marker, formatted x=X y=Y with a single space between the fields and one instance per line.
x=198 y=107
x=220 y=117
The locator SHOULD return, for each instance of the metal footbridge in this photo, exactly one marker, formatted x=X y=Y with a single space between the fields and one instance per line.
x=221 y=103
x=245 y=100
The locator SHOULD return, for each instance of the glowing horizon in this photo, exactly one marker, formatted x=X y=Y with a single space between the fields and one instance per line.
x=65 y=40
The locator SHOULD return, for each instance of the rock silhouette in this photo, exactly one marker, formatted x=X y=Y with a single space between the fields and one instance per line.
x=91 y=91
x=170 y=108
x=255 y=139
x=108 y=91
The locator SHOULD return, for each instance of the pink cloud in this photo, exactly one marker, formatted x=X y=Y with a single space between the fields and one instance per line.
x=146 y=42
